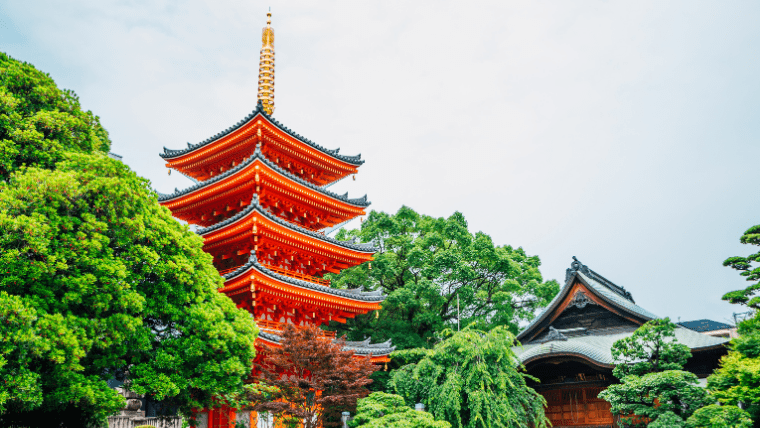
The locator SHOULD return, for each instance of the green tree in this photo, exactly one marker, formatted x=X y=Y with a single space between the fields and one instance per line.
x=473 y=379
x=746 y=268
x=737 y=380
x=39 y=123
x=653 y=385
x=433 y=270
x=96 y=279
x=717 y=416
x=381 y=410
x=651 y=348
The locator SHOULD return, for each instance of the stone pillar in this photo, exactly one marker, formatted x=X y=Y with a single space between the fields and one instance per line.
x=133 y=404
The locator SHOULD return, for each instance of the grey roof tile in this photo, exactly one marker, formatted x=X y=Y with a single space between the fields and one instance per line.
x=705 y=325
x=616 y=298
x=599 y=348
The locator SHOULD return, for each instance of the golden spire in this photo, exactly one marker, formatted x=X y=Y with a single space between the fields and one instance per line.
x=266 y=67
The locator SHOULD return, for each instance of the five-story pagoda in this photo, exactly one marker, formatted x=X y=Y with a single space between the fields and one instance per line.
x=262 y=205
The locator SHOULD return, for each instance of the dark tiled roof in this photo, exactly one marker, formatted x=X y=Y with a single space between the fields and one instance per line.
x=255 y=206
x=359 y=348
x=705 y=325
x=354 y=160
x=577 y=266
x=359 y=202
x=602 y=287
x=352 y=293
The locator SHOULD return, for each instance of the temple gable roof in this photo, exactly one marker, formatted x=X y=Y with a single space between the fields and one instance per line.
x=583 y=289
x=608 y=292
x=259 y=112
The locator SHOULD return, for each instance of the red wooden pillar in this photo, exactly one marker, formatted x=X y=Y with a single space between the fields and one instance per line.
x=221 y=417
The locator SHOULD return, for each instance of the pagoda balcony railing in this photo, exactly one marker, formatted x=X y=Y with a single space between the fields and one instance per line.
x=278 y=327
x=285 y=272
x=226 y=271
x=301 y=276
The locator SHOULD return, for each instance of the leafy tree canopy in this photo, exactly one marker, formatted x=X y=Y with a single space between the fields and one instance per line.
x=656 y=395
x=717 y=416
x=473 y=379
x=39 y=122
x=737 y=380
x=653 y=387
x=381 y=410
x=738 y=377
x=96 y=279
x=651 y=348
x=427 y=266
x=745 y=266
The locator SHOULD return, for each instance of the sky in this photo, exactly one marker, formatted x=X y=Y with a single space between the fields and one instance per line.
x=623 y=133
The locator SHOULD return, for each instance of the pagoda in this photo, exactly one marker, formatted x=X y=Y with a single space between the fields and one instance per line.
x=262 y=205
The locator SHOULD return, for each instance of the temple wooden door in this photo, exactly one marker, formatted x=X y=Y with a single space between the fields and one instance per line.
x=577 y=407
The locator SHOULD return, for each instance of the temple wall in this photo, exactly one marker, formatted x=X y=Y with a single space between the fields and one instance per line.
x=129 y=422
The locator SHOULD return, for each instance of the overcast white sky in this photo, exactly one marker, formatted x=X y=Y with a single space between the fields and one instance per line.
x=623 y=133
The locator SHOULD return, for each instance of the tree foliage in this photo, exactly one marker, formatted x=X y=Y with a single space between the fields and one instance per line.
x=473 y=379
x=381 y=410
x=427 y=266
x=305 y=363
x=97 y=279
x=39 y=123
x=737 y=380
x=717 y=416
x=653 y=387
x=749 y=271
x=656 y=395
x=651 y=348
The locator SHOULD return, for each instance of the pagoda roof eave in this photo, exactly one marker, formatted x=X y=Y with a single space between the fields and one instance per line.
x=257 y=155
x=349 y=294
x=359 y=348
x=256 y=206
x=259 y=112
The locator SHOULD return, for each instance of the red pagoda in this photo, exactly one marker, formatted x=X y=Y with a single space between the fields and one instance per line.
x=261 y=204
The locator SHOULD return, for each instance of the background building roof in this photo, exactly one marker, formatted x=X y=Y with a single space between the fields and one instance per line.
x=705 y=325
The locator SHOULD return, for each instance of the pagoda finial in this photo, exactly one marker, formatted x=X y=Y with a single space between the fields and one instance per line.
x=266 y=67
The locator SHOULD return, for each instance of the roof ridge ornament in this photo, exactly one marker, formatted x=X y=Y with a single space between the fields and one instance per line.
x=266 y=67
x=580 y=300
x=577 y=266
x=554 y=334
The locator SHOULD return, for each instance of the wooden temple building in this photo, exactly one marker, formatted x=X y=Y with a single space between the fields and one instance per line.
x=568 y=347
x=262 y=205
